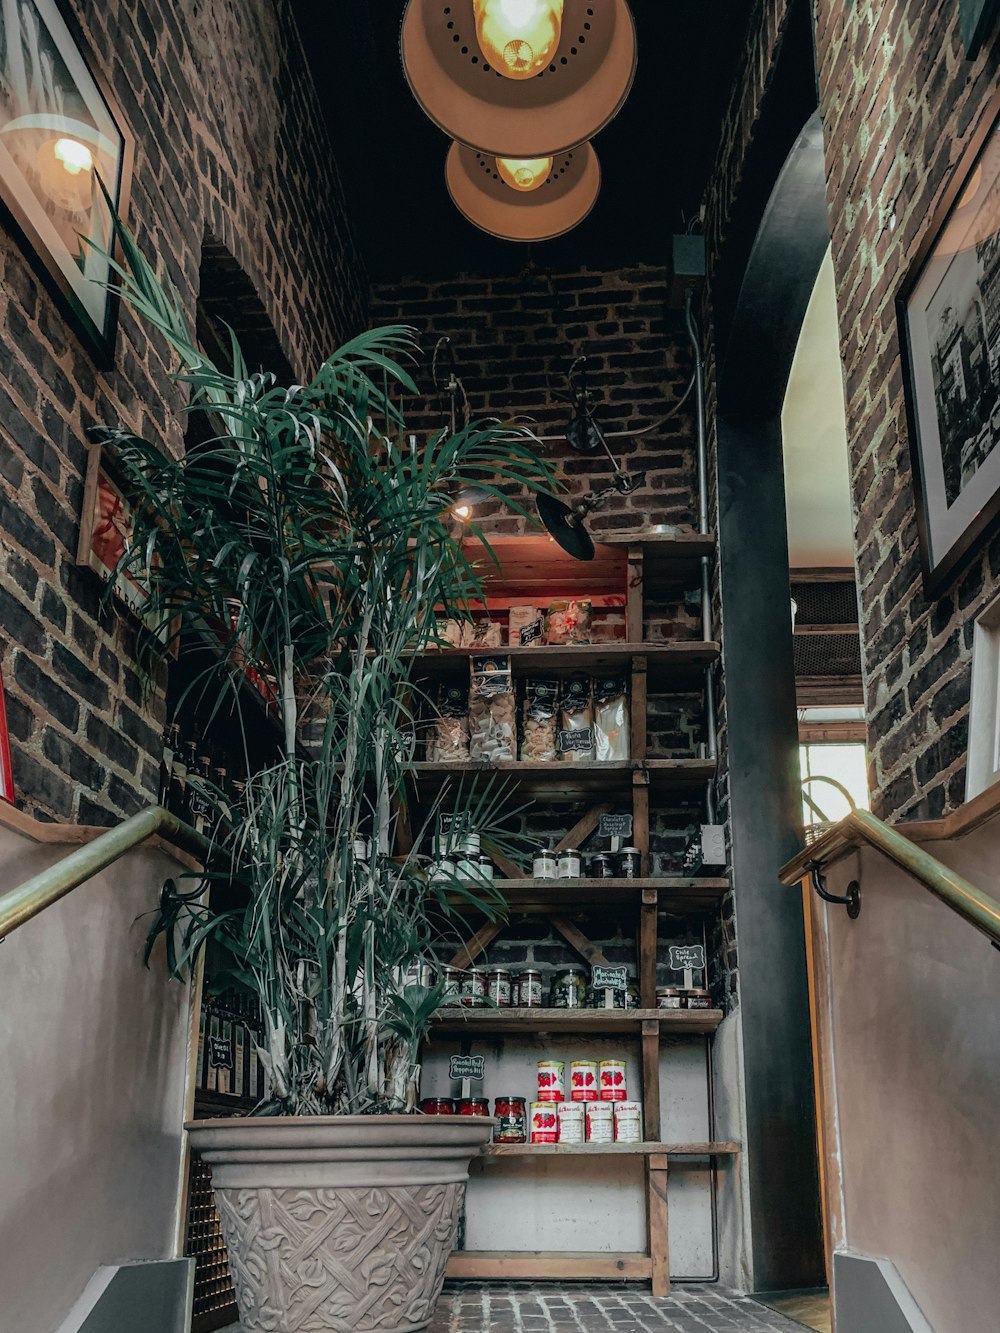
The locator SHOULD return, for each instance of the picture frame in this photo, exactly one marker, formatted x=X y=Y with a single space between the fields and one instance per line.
x=948 y=310
x=62 y=135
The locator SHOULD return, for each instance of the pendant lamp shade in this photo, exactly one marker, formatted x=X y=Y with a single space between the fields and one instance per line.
x=565 y=198
x=575 y=95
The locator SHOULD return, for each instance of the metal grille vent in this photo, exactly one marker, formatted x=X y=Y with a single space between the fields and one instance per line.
x=469 y=47
x=827 y=654
x=826 y=603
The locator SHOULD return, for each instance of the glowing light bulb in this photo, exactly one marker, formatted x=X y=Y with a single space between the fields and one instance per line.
x=518 y=37
x=74 y=155
x=524 y=174
x=463 y=512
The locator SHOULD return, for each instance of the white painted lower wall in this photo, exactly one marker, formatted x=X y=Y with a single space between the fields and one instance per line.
x=908 y=1013
x=92 y=1097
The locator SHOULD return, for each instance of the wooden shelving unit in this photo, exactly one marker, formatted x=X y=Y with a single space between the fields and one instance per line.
x=534 y=571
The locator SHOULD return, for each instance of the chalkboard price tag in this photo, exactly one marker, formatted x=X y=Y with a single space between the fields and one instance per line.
x=686 y=957
x=604 y=978
x=220 y=1053
x=467 y=1066
x=616 y=826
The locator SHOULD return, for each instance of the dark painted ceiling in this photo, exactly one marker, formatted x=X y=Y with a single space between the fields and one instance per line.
x=655 y=156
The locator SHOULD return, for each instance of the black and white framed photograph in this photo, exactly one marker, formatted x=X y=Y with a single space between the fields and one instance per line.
x=59 y=131
x=950 y=316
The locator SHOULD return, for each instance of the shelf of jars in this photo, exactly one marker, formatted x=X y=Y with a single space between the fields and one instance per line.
x=500 y=1150
x=668 y=665
x=505 y=1021
x=561 y=782
x=673 y=893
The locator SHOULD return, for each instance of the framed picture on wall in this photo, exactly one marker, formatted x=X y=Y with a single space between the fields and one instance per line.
x=60 y=130
x=949 y=312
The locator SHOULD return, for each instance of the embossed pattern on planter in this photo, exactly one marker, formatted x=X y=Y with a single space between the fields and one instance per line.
x=341 y=1260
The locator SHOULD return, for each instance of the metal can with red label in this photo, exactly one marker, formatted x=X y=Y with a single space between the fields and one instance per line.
x=583 y=1080
x=612 y=1081
x=600 y=1122
x=571 y=1122
x=628 y=1122
x=551 y=1081
x=544 y=1123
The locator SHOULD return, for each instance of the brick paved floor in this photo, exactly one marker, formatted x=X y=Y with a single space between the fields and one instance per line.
x=469 y=1307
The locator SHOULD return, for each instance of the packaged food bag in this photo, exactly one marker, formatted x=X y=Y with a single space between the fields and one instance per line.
x=540 y=724
x=567 y=621
x=576 y=721
x=491 y=710
x=449 y=741
x=526 y=626
x=611 y=718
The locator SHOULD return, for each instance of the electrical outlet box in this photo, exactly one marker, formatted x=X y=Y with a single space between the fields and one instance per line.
x=713 y=845
x=688 y=253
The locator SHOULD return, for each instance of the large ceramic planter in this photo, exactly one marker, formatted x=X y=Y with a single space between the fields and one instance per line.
x=337 y=1224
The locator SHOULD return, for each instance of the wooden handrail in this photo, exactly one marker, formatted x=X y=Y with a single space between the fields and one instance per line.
x=861 y=827
x=47 y=886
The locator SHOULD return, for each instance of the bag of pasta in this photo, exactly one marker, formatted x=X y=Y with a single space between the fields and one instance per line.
x=491 y=711
x=540 y=725
x=611 y=718
x=449 y=741
x=576 y=721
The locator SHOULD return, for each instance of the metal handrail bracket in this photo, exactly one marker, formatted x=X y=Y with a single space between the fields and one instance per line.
x=861 y=827
x=46 y=887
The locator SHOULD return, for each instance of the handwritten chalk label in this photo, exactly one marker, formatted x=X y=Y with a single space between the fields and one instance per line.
x=686 y=956
x=604 y=978
x=616 y=826
x=581 y=739
x=467 y=1066
x=220 y=1053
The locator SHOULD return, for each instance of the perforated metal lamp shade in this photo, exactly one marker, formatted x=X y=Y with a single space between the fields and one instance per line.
x=564 y=200
x=565 y=105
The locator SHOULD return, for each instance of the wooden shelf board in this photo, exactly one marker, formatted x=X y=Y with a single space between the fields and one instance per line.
x=542 y=896
x=512 y=1022
x=551 y=1264
x=500 y=1150
x=668 y=663
x=570 y=782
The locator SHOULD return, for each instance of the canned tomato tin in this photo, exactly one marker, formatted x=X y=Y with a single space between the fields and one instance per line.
x=698 y=998
x=600 y=1122
x=571 y=1122
x=583 y=1080
x=512 y=1120
x=668 y=997
x=474 y=986
x=569 y=864
x=437 y=1106
x=474 y=1106
x=612 y=1081
x=629 y=863
x=452 y=986
x=569 y=989
x=628 y=1122
x=498 y=987
x=551 y=1081
x=602 y=866
x=529 y=990
x=544 y=1123
x=544 y=864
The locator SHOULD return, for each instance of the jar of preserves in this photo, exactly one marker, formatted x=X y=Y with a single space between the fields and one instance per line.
x=583 y=1085
x=452 y=986
x=529 y=990
x=629 y=863
x=551 y=1081
x=437 y=1106
x=698 y=998
x=571 y=1122
x=569 y=989
x=474 y=986
x=443 y=871
x=611 y=1076
x=628 y=1122
x=568 y=866
x=498 y=987
x=469 y=844
x=544 y=1123
x=633 y=998
x=602 y=866
x=544 y=865
x=512 y=1120
x=485 y=868
x=607 y=997
x=474 y=1106
x=668 y=997
x=600 y=1122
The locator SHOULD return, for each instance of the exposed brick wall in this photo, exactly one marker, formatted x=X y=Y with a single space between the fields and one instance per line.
x=229 y=146
x=899 y=104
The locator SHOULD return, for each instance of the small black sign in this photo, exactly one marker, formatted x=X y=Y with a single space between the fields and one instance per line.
x=220 y=1053
x=579 y=738
x=604 y=978
x=685 y=957
x=531 y=633
x=467 y=1066
x=616 y=826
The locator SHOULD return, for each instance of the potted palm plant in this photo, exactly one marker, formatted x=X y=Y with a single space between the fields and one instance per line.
x=311 y=536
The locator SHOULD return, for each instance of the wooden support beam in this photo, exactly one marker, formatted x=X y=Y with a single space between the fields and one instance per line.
x=651 y=1079
x=506 y=867
x=633 y=596
x=647 y=952
x=478 y=944
x=659 y=1230
x=638 y=708
x=577 y=940
x=583 y=827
